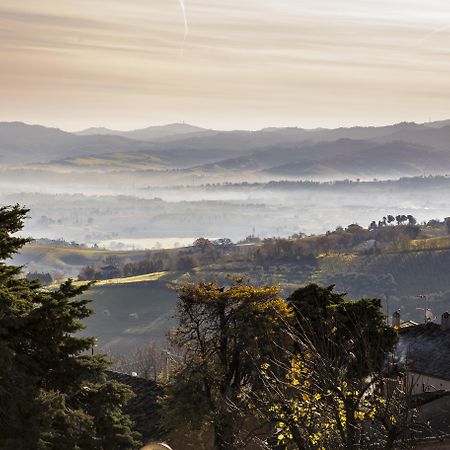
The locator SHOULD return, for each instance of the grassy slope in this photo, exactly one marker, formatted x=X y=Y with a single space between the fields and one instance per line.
x=69 y=260
x=130 y=313
x=149 y=297
x=141 y=279
x=421 y=269
x=415 y=272
x=137 y=160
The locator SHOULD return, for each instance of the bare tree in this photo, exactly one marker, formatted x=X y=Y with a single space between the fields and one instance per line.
x=330 y=388
x=150 y=361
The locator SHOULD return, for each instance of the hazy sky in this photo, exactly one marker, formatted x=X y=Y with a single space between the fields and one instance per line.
x=243 y=63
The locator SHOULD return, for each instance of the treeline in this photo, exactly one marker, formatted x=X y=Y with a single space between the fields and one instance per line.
x=112 y=268
x=59 y=243
x=374 y=239
x=43 y=277
x=202 y=253
x=392 y=233
x=404 y=182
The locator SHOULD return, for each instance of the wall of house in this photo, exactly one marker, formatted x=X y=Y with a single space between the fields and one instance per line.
x=424 y=383
x=436 y=415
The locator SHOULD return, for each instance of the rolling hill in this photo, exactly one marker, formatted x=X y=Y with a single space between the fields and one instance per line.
x=402 y=149
x=28 y=144
x=130 y=316
x=305 y=153
x=393 y=159
x=150 y=133
x=438 y=138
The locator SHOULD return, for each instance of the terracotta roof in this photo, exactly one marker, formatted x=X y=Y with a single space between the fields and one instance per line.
x=143 y=408
x=425 y=349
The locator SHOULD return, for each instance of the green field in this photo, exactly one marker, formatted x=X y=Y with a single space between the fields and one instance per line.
x=69 y=260
x=130 y=315
x=146 y=278
x=414 y=272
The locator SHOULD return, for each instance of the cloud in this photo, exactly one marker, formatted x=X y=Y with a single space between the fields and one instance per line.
x=255 y=60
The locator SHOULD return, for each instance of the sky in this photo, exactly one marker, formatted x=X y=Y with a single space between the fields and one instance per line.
x=233 y=64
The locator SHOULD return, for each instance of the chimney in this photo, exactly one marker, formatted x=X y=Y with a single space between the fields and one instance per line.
x=445 y=323
x=396 y=320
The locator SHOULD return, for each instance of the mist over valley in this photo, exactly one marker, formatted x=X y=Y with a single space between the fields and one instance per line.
x=140 y=199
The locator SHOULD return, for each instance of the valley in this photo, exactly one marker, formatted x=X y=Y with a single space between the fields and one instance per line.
x=127 y=206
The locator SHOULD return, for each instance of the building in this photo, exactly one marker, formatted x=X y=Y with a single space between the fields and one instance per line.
x=143 y=408
x=424 y=351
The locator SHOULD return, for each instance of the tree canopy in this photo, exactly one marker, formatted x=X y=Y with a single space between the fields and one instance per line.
x=328 y=320
x=224 y=334
x=53 y=393
x=332 y=389
x=310 y=372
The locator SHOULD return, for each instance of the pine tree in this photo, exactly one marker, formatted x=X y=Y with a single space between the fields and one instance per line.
x=53 y=393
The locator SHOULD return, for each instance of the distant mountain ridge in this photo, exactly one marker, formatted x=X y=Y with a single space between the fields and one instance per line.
x=401 y=149
x=21 y=143
x=147 y=134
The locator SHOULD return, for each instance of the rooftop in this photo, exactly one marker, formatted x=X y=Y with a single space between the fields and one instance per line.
x=426 y=349
x=143 y=408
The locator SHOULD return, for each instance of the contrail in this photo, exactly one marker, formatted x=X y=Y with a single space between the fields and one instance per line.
x=186 y=27
x=427 y=36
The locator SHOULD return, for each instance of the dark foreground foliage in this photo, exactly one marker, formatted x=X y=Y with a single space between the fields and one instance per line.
x=53 y=393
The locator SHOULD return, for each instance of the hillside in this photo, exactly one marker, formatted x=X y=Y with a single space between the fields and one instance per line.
x=130 y=315
x=393 y=151
x=437 y=138
x=21 y=143
x=69 y=261
x=402 y=149
x=394 y=159
x=119 y=161
x=288 y=153
x=399 y=272
x=133 y=310
x=344 y=158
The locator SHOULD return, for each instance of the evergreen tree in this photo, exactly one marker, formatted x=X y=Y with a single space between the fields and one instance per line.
x=53 y=393
x=327 y=319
